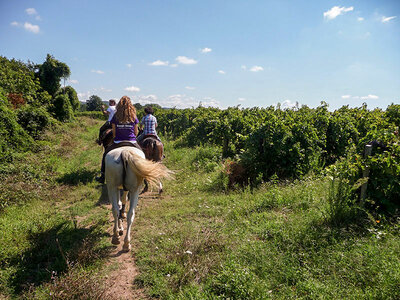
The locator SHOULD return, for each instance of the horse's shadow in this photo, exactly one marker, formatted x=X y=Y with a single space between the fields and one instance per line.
x=53 y=252
x=79 y=176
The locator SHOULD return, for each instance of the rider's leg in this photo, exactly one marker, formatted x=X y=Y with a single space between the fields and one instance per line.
x=140 y=138
x=101 y=178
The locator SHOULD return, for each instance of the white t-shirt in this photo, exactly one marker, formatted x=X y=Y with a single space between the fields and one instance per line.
x=111 y=110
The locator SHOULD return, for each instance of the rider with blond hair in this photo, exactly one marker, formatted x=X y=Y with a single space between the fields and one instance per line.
x=125 y=129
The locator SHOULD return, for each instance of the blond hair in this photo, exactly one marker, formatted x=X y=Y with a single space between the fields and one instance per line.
x=125 y=111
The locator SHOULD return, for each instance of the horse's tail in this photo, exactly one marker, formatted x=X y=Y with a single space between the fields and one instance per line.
x=146 y=169
x=157 y=150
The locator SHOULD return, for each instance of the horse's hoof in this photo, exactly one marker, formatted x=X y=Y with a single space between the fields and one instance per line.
x=126 y=247
x=123 y=215
x=115 y=240
x=121 y=232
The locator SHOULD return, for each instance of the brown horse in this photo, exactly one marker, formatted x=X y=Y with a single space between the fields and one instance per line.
x=153 y=150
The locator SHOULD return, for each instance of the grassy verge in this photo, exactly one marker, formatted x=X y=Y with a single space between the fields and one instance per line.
x=273 y=242
x=53 y=222
x=198 y=242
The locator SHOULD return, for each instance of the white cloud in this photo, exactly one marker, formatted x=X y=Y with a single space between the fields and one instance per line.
x=244 y=67
x=73 y=81
x=241 y=99
x=210 y=102
x=189 y=87
x=103 y=89
x=206 y=50
x=186 y=60
x=97 y=71
x=387 y=19
x=221 y=72
x=129 y=65
x=360 y=19
x=31 y=11
x=183 y=101
x=132 y=89
x=142 y=99
x=159 y=63
x=369 y=97
x=84 y=96
x=15 y=23
x=32 y=28
x=256 y=69
x=336 y=11
x=173 y=65
x=288 y=104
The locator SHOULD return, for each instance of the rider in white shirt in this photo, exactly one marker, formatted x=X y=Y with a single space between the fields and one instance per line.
x=110 y=113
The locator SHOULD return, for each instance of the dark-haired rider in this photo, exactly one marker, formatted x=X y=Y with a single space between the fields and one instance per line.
x=149 y=122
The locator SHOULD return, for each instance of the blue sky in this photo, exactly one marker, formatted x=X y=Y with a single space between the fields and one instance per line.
x=219 y=53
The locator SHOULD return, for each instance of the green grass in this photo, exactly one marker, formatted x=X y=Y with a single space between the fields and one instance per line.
x=271 y=242
x=53 y=222
x=199 y=241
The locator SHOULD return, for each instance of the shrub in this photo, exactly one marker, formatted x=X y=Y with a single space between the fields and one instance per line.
x=92 y=114
x=13 y=136
x=33 y=119
x=61 y=108
x=70 y=92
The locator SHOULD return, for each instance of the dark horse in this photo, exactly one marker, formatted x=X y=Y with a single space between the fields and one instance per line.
x=153 y=150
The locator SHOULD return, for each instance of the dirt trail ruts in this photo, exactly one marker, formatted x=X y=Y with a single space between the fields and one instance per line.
x=121 y=281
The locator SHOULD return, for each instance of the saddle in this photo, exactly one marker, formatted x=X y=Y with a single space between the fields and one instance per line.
x=150 y=136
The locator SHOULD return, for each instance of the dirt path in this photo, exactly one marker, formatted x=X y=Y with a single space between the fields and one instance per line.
x=121 y=280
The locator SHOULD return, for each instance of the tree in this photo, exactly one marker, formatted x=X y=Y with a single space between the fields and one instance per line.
x=94 y=103
x=70 y=92
x=50 y=74
x=62 y=108
x=20 y=85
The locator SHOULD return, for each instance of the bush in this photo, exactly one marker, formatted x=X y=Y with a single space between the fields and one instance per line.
x=70 y=92
x=61 y=108
x=13 y=136
x=33 y=119
x=92 y=114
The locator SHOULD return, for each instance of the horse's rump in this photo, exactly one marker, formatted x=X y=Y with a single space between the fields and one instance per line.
x=152 y=148
x=133 y=159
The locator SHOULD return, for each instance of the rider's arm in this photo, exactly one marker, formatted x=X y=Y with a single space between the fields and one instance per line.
x=104 y=111
x=135 y=129
x=113 y=129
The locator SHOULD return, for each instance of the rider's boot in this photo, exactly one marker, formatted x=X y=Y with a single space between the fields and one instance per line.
x=101 y=178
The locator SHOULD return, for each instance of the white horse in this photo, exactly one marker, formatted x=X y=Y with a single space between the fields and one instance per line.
x=126 y=168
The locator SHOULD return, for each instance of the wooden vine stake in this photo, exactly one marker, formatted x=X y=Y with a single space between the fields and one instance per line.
x=367 y=152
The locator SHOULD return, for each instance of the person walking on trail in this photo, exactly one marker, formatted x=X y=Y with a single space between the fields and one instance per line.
x=125 y=128
x=149 y=122
x=110 y=113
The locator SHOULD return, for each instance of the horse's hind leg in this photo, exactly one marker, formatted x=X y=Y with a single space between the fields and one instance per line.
x=113 y=194
x=160 y=188
x=146 y=187
x=124 y=199
x=133 y=199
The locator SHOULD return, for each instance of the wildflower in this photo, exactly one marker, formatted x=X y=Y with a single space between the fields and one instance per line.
x=378 y=221
x=188 y=252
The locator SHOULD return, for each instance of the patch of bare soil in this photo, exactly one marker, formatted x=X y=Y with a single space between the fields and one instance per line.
x=121 y=281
